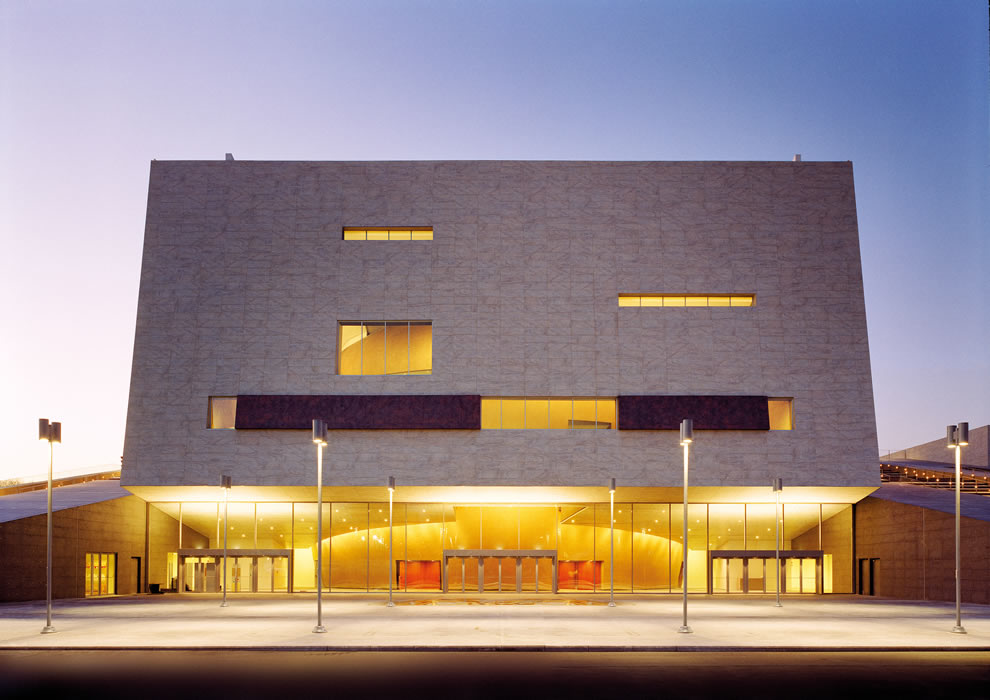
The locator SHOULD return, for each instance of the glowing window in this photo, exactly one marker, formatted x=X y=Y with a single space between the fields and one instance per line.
x=100 y=574
x=547 y=413
x=695 y=300
x=781 y=414
x=382 y=233
x=385 y=347
x=223 y=411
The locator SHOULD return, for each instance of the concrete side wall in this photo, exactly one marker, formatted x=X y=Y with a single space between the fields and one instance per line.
x=111 y=526
x=976 y=453
x=916 y=549
x=245 y=278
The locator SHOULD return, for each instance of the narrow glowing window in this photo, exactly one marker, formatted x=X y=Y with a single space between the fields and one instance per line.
x=605 y=413
x=691 y=300
x=513 y=414
x=385 y=348
x=584 y=414
x=223 y=411
x=491 y=414
x=554 y=413
x=373 y=348
x=420 y=347
x=537 y=414
x=561 y=412
x=385 y=233
x=781 y=414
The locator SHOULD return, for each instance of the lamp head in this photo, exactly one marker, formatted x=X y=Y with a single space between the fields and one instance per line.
x=319 y=432
x=687 y=431
x=225 y=481
x=950 y=436
x=611 y=485
x=49 y=431
x=962 y=434
x=391 y=484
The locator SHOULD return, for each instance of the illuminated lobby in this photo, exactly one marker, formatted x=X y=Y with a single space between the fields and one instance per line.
x=503 y=339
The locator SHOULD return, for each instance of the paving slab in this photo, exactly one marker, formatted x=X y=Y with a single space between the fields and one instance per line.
x=362 y=622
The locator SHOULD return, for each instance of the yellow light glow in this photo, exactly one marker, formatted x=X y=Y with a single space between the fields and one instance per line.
x=781 y=412
x=402 y=233
x=686 y=300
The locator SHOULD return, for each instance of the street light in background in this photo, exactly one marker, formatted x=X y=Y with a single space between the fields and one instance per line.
x=687 y=437
x=956 y=437
x=778 y=486
x=53 y=433
x=611 y=542
x=225 y=483
x=391 y=490
x=320 y=439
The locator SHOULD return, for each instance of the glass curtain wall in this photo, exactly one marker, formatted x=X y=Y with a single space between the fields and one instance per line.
x=648 y=547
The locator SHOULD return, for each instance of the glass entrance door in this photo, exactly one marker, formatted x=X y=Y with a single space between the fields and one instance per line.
x=741 y=572
x=499 y=571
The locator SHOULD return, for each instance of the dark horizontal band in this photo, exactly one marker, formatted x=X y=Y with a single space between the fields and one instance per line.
x=707 y=412
x=406 y=412
x=463 y=412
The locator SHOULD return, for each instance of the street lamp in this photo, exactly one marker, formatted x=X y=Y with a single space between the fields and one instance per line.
x=687 y=437
x=391 y=490
x=52 y=432
x=778 y=486
x=320 y=439
x=611 y=542
x=957 y=436
x=225 y=483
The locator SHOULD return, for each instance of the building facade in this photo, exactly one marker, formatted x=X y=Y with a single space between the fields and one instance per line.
x=502 y=338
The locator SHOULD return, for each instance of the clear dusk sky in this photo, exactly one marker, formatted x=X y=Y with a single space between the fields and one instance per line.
x=91 y=92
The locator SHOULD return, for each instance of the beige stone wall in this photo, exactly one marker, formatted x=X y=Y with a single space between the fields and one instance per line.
x=110 y=526
x=916 y=549
x=245 y=278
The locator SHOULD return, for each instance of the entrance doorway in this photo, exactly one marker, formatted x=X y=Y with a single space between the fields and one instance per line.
x=248 y=571
x=868 y=570
x=499 y=571
x=756 y=572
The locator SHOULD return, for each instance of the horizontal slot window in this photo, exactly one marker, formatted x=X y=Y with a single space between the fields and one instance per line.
x=547 y=413
x=384 y=233
x=385 y=347
x=223 y=411
x=682 y=300
x=781 y=413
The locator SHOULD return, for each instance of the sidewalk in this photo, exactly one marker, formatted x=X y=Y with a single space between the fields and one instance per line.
x=427 y=622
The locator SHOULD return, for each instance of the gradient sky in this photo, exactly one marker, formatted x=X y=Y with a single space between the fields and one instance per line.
x=91 y=92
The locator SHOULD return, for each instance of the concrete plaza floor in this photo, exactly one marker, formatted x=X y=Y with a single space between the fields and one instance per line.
x=498 y=622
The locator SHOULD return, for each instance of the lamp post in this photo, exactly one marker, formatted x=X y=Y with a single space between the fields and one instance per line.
x=391 y=489
x=52 y=432
x=611 y=543
x=778 y=486
x=225 y=483
x=957 y=436
x=320 y=439
x=687 y=437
